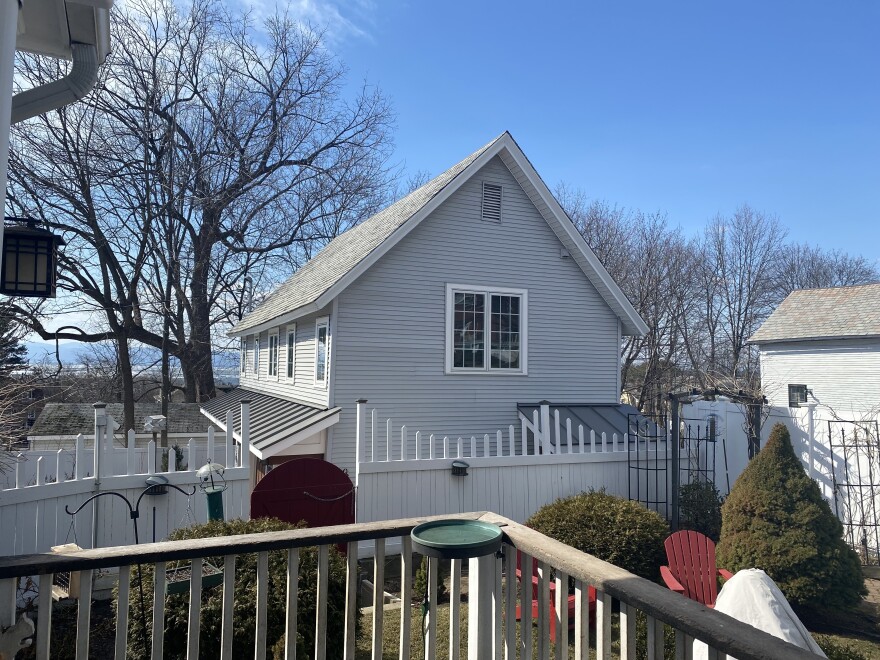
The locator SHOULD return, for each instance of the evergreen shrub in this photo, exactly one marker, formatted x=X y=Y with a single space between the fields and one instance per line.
x=776 y=519
x=700 y=508
x=611 y=528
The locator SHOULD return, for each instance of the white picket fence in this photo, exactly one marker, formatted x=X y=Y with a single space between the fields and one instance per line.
x=33 y=510
x=514 y=471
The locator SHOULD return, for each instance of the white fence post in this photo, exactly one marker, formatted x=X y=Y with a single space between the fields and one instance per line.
x=211 y=458
x=230 y=439
x=79 y=468
x=59 y=455
x=404 y=450
x=545 y=427
x=41 y=474
x=151 y=457
x=130 y=453
x=245 y=433
x=361 y=406
x=100 y=425
x=19 y=470
x=191 y=464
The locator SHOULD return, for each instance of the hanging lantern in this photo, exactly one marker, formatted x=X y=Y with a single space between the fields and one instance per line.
x=30 y=258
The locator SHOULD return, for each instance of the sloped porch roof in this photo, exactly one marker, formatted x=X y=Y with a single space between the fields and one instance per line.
x=276 y=424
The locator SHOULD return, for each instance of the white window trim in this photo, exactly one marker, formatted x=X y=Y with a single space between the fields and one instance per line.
x=256 y=364
x=524 y=327
x=242 y=355
x=319 y=322
x=290 y=355
x=272 y=335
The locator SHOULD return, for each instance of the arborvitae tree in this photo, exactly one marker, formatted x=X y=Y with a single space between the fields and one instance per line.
x=776 y=519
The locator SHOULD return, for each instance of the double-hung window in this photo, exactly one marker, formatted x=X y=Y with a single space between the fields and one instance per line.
x=273 y=354
x=486 y=330
x=291 y=351
x=322 y=350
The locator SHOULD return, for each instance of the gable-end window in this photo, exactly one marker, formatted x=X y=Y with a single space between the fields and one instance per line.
x=322 y=350
x=486 y=330
x=242 y=355
x=257 y=356
x=273 y=354
x=797 y=395
x=491 y=205
x=291 y=351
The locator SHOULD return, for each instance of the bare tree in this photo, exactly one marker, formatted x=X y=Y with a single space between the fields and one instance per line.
x=802 y=266
x=209 y=151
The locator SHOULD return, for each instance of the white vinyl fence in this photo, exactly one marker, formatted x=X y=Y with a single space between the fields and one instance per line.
x=514 y=471
x=46 y=485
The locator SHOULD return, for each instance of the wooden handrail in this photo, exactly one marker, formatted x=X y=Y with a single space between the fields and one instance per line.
x=718 y=630
x=166 y=551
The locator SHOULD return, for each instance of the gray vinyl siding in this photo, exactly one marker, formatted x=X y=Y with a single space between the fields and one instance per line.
x=390 y=326
x=842 y=373
x=302 y=387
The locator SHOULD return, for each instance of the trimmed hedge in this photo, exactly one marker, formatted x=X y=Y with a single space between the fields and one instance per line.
x=608 y=527
x=244 y=614
x=776 y=519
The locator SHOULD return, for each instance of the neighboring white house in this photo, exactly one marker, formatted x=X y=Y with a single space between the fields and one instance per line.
x=469 y=296
x=822 y=346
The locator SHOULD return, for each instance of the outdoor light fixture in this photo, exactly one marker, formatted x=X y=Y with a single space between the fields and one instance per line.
x=30 y=259
x=212 y=482
x=157 y=484
x=459 y=469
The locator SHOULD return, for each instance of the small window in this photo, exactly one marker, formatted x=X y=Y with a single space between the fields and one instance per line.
x=257 y=356
x=273 y=354
x=322 y=350
x=797 y=395
x=291 y=352
x=242 y=355
x=491 y=208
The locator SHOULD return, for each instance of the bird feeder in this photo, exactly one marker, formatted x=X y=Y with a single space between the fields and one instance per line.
x=456 y=539
x=212 y=483
x=30 y=260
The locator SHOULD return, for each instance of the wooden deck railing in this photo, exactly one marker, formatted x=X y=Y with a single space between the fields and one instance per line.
x=492 y=632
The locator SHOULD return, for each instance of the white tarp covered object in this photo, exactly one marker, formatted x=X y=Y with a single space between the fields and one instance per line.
x=752 y=597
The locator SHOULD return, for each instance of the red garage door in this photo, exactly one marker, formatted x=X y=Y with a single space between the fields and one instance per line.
x=309 y=489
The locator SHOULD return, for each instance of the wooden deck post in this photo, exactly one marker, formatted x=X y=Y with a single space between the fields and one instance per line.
x=481 y=594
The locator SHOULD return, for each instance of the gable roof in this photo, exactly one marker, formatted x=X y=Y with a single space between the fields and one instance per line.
x=347 y=256
x=835 y=313
x=71 y=419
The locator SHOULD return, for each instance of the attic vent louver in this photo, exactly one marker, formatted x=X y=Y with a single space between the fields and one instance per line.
x=491 y=202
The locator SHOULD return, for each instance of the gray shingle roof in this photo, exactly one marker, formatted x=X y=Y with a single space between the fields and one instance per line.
x=849 y=311
x=70 y=419
x=348 y=249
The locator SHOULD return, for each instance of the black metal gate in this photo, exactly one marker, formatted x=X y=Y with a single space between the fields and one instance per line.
x=855 y=460
x=648 y=462
x=702 y=453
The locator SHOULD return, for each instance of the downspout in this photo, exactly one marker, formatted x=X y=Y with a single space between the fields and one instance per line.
x=69 y=89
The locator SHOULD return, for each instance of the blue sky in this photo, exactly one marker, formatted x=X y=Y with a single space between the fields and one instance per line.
x=688 y=107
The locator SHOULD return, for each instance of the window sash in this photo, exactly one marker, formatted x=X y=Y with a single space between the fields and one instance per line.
x=322 y=351
x=273 y=355
x=256 y=356
x=291 y=352
x=242 y=355
x=487 y=330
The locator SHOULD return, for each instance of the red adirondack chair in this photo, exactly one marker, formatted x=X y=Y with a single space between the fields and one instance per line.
x=591 y=598
x=692 y=571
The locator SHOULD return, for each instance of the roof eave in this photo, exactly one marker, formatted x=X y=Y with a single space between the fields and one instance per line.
x=789 y=340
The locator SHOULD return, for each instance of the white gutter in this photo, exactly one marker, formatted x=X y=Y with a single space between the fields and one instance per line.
x=69 y=89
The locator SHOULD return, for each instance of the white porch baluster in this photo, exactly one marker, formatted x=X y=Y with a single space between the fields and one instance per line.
x=321 y=606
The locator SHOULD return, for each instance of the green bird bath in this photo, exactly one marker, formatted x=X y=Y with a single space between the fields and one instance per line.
x=456 y=539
